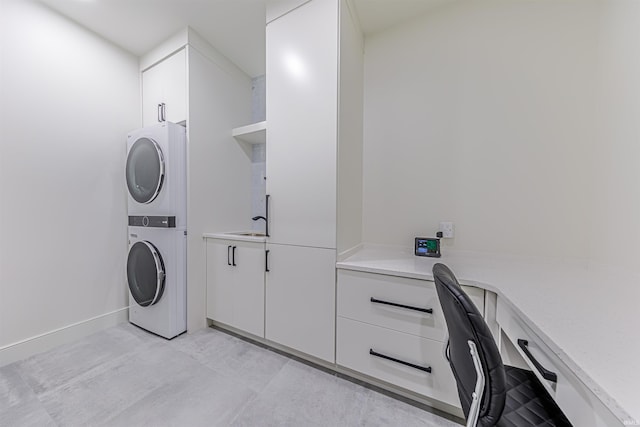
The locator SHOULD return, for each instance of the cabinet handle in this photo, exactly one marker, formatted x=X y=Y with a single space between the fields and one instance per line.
x=266 y=260
x=546 y=374
x=160 y=112
x=402 y=362
x=164 y=112
x=408 y=307
x=266 y=210
x=233 y=256
x=228 y=256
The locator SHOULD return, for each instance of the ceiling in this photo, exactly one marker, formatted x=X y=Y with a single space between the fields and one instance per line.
x=234 y=27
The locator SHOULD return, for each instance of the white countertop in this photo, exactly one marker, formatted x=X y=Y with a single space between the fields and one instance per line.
x=589 y=315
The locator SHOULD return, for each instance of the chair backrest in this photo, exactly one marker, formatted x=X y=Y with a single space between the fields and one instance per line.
x=465 y=323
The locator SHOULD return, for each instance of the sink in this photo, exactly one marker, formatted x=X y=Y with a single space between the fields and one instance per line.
x=248 y=233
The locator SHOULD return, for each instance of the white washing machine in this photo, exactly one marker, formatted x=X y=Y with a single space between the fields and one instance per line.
x=157 y=277
x=156 y=172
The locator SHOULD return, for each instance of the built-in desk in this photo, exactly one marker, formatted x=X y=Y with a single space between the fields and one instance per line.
x=586 y=317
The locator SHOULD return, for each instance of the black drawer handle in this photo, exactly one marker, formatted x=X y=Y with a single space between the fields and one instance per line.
x=402 y=362
x=408 y=307
x=228 y=256
x=266 y=260
x=233 y=256
x=546 y=374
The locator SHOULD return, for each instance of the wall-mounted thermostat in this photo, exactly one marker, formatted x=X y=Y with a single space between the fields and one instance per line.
x=427 y=246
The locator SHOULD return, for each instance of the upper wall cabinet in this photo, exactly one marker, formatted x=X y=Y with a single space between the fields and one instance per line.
x=164 y=90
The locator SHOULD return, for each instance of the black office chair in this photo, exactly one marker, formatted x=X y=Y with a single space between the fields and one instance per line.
x=491 y=394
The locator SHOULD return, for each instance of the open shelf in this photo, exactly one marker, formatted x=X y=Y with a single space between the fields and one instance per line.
x=255 y=133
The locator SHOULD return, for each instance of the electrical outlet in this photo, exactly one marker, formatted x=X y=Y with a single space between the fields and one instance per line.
x=447 y=230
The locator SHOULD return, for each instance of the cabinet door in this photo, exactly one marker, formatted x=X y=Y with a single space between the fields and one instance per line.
x=165 y=83
x=175 y=86
x=300 y=299
x=152 y=94
x=220 y=281
x=302 y=84
x=248 y=299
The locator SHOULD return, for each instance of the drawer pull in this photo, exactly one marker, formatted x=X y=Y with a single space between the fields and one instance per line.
x=402 y=362
x=408 y=307
x=546 y=374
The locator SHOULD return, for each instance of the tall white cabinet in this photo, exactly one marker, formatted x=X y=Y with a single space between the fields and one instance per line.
x=303 y=155
x=302 y=100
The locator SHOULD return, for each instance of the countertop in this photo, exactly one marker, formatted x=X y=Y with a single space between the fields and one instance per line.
x=586 y=313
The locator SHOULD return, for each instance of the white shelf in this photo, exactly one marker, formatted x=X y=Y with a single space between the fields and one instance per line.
x=255 y=133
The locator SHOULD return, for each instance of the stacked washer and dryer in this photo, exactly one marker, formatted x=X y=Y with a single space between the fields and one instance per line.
x=157 y=207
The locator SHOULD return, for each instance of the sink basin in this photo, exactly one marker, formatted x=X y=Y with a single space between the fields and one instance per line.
x=249 y=233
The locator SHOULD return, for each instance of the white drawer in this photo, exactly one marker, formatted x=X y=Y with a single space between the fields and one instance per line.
x=355 y=340
x=356 y=289
x=515 y=329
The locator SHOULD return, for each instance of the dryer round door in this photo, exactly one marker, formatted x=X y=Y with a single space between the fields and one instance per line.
x=145 y=170
x=145 y=273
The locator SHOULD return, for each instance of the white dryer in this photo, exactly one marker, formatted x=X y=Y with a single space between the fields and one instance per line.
x=156 y=172
x=157 y=276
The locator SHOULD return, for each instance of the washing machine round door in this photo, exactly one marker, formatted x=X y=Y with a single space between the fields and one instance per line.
x=145 y=273
x=145 y=170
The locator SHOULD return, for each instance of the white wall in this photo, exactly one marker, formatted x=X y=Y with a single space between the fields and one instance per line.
x=219 y=178
x=482 y=113
x=68 y=99
x=350 y=137
x=616 y=203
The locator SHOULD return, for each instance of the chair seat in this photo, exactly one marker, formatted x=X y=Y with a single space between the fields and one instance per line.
x=528 y=403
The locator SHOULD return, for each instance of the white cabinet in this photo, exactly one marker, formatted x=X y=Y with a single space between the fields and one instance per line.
x=393 y=329
x=235 y=284
x=164 y=90
x=367 y=348
x=302 y=108
x=303 y=146
x=300 y=299
x=398 y=303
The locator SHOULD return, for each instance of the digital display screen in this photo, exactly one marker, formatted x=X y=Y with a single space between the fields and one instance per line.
x=427 y=246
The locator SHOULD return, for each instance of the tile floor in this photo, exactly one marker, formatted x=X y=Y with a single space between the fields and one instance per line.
x=126 y=377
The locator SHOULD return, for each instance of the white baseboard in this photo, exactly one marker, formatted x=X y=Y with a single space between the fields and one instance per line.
x=44 y=342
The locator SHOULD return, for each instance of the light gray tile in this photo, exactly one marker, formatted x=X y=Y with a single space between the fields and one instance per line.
x=201 y=397
x=381 y=410
x=246 y=363
x=26 y=415
x=258 y=99
x=102 y=393
x=303 y=396
x=19 y=405
x=50 y=370
x=126 y=376
x=205 y=344
x=13 y=390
